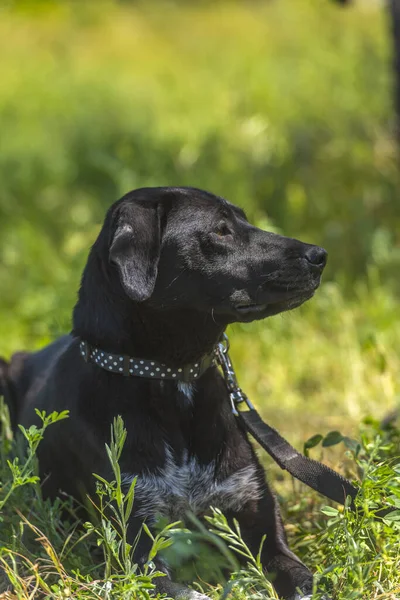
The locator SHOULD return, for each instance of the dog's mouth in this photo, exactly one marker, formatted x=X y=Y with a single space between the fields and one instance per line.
x=250 y=308
x=249 y=311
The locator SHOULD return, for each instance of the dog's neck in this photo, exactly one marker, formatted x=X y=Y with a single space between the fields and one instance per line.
x=108 y=319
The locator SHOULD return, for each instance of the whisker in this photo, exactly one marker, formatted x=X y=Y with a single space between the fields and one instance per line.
x=175 y=278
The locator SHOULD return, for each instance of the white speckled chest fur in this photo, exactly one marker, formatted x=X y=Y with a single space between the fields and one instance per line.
x=176 y=488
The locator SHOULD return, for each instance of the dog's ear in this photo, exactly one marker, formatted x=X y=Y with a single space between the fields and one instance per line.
x=135 y=248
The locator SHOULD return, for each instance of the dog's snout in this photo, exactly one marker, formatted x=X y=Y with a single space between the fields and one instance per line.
x=316 y=256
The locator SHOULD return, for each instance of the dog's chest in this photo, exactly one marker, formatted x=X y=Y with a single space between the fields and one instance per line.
x=179 y=487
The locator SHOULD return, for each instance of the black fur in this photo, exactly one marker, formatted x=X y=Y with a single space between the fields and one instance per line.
x=171 y=268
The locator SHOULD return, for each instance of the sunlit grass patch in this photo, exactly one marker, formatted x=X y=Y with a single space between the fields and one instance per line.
x=354 y=553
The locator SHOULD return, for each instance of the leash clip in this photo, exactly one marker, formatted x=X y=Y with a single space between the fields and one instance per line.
x=236 y=395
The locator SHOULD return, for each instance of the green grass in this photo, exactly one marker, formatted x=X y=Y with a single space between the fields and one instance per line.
x=284 y=108
x=355 y=554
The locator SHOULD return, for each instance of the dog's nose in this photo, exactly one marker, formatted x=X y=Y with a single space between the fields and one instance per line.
x=316 y=256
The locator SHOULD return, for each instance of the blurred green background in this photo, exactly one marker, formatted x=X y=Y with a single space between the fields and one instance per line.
x=283 y=107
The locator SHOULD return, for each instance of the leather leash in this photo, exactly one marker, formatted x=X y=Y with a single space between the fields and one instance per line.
x=315 y=474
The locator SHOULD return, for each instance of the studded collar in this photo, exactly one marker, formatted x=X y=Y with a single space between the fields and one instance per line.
x=138 y=367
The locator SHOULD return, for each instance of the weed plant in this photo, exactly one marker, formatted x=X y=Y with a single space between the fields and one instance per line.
x=43 y=554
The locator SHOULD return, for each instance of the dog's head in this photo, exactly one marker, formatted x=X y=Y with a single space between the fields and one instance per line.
x=185 y=248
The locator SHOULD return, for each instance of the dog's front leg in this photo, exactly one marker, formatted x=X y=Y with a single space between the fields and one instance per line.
x=291 y=578
x=163 y=584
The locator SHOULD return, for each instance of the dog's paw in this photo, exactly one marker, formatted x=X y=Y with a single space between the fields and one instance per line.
x=177 y=591
x=192 y=595
x=308 y=597
x=186 y=593
x=198 y=596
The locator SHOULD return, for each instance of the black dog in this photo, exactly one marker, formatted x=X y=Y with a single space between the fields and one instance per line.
x=170 y=269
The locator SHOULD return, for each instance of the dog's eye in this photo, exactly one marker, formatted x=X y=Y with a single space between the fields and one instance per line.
x=222 y=230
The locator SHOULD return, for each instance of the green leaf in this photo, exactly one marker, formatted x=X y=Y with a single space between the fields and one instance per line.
x=353 y=445
x=330 y=511
x=311 y=443
x=395 y=501
x=393 y=516
x=129 y=498
x=147 y=530
x=332 y=438
x=106 y=483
